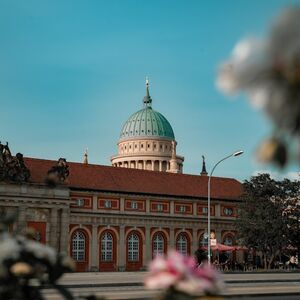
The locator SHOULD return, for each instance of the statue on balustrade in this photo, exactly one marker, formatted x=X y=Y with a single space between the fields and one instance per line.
x=12 y=168
x=58 y=173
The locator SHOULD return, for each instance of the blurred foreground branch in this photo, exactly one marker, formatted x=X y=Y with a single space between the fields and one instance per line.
x=268 y=71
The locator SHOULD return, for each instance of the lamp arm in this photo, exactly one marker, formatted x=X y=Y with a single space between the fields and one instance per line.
x=208 y=206
x=218 y=164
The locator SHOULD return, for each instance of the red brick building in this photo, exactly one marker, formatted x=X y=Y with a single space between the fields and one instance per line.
x=120 y=217
x=110 y=218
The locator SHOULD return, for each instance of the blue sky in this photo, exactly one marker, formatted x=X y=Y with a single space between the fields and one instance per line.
x=72 y=72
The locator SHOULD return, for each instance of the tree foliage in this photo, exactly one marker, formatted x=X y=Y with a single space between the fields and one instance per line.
x=268 y=219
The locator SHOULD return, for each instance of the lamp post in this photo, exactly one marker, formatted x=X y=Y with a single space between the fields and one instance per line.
x=237 y=153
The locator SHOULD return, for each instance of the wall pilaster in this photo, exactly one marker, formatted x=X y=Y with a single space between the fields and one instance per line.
x=172 y=239
x=122 y=204
x=172 y=207
x=147 y=206
x=95 y=203
x=195 y=243
x=94 y=251
x=122 y=250
x=195 y=208
x=53 y=228
x=148 y=247
x=64 y=230
x=21 y=218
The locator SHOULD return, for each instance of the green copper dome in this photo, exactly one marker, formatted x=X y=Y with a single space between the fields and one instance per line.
x=147 y=122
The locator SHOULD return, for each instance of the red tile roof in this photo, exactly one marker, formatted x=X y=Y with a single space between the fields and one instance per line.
x=112 y=179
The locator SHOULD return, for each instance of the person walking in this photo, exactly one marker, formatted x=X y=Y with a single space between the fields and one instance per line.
x=293 y=262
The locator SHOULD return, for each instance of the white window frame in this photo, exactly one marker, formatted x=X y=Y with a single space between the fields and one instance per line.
x=160 y=207
x=133 y=205
x=78 y=246
x=158 y=244
x=182 y=244
x=80 y=202
x=107 y=204
x=228 y=211
x=107 y=244
x=182 y=208
x=205 y=210
x=133 y=244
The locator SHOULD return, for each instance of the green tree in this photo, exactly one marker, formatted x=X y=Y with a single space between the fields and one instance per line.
x=291 y=213
x=268 y=215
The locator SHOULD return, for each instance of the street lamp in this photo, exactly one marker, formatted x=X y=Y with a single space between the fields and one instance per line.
x=237 y=153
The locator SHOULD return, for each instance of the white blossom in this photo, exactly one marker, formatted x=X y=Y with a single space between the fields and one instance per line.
x=268 y=72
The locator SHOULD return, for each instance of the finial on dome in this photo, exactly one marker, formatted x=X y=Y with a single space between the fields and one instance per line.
x=85 y=158
x=203 y=172
x=147 y=99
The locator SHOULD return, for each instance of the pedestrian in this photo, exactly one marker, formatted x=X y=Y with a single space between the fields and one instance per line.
x=292 y=262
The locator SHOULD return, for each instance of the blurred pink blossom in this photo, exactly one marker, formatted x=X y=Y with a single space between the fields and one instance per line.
x=182 y=273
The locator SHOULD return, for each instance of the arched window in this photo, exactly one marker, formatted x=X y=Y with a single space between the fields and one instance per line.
x=182 y=244
x=228 y=240
x=133 y=247
x=78 y=246
x=203 y=240
x=106 y=247
x=158 y=244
